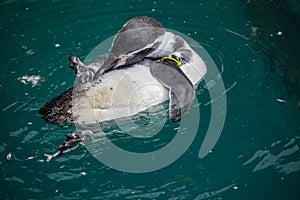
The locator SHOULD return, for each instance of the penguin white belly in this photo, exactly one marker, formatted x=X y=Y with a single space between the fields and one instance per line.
x=121 y=93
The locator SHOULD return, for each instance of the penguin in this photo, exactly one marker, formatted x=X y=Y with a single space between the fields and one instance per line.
x=144 y=37
x=147 y=66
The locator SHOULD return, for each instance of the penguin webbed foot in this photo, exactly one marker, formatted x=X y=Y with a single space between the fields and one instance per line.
x=83 y=73
x=74 y=62
x=71 y=142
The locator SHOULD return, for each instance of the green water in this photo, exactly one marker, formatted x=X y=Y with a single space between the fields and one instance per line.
x=255 y=46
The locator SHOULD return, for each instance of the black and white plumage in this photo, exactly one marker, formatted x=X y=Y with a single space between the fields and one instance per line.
x=142 y=71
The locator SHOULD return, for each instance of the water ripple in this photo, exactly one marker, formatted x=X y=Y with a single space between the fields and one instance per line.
x=35 y=38
x=281 y=161
x=146 y=195
x=117 y=193
x=14 y=179
x=213 y=194
x=64 y=176
x=35 y=190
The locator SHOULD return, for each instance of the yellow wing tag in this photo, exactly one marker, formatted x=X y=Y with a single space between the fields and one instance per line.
x=178 y=63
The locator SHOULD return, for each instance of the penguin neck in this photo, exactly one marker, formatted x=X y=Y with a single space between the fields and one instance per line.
x=166 y=47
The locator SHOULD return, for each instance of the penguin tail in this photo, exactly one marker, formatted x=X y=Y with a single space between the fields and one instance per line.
x=59 y=109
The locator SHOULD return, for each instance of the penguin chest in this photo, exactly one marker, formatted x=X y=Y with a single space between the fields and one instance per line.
x=121 y=93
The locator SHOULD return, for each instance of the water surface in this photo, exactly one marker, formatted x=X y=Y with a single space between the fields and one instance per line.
x=255 y=47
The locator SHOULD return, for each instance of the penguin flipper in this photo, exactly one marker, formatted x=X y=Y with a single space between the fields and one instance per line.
x=114 y=61
x=181 y=89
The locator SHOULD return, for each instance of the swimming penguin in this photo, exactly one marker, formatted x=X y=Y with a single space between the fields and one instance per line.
x=153 y=67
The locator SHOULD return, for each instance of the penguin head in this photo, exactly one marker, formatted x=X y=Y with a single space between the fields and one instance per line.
x=135 y=40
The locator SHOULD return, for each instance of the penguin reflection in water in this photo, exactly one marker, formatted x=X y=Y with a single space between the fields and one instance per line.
x=147 y=66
